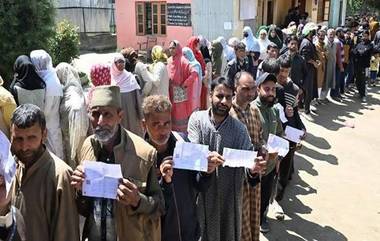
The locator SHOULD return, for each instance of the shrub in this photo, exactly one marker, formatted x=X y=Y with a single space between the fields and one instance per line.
x=25 y=25
x=64 y=45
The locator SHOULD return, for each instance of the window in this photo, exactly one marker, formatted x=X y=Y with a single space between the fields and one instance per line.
x=326 y=11
x=151 y=18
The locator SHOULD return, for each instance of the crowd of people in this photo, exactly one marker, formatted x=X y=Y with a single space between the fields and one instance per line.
x=223 y=94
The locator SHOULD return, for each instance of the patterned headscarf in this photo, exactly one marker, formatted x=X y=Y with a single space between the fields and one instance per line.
x=100 y=74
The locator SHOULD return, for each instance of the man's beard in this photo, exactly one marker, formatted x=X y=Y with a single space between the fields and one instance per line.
x=104 y=135
x=268 y=100
x=29 y=155
x=220 y=110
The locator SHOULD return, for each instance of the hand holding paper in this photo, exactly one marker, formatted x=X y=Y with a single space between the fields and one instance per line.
x=101 y=179
x=293 y=134
x=278 y=145
x=190 y=156
x=239 y=158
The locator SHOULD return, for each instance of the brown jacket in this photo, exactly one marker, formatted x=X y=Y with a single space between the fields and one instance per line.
x=46 y=200
x=137 y=159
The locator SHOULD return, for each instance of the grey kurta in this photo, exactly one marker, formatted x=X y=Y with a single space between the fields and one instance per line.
x=220 y=207
x=330 y=66
x=131 y=105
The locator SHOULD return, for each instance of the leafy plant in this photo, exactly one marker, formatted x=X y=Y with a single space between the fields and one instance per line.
x=25 y=25
x=64 y=45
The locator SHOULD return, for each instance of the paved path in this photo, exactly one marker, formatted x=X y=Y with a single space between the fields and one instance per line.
x=335 y=192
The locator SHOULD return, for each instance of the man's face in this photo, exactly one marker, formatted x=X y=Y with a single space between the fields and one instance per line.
x=105 y=121
x=272 y=53
x=158 y=127
x=246 y=90
x=240 y=54
x=331 y=36
x=221 y=100
x=321 y=37
x=26 y=143
x=293 y=46
x=365 y=37
x=283 y=75
x=267 y=92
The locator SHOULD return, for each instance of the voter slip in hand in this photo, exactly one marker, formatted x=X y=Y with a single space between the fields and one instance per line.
x=293 y=134
x=278 y=145
x=190 y=156
x=239 y=158
x=102 y=180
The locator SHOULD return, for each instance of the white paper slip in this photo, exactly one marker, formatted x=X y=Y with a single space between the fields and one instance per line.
x=190 y=156
x=293 y=134
x=102 y=179
x=278 y=145
x=239 y=158
x=281 y=112
x=7 y=162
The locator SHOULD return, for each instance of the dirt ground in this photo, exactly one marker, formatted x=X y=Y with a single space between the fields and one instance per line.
x=335 y=192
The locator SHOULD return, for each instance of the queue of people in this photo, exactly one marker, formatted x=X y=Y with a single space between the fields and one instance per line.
x=223 y=94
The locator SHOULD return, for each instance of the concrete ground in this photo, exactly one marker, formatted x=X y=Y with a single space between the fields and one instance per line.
x=335 y=191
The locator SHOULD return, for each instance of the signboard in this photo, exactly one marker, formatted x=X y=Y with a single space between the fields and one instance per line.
x=179 y=14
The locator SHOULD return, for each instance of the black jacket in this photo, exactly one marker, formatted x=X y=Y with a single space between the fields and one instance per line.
x=180 y=222
x=362 y=54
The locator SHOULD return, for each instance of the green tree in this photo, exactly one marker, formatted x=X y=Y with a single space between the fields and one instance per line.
x=25 y=25
x=64 y=44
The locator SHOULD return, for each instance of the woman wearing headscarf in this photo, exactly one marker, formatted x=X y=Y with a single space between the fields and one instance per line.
x=100 y=74
x=130 y=95
x=204 y=48
x=143 y=76
x=160 y=85
x=205 y=44
x=73 y=112
x=252 y=48
x=27 y=86
x=263 y=42
x=182 y=78
x=194 y=45
x=219 y=62
x=274 y=36
x=53 y=95
x=197 y=86
x=228 y=51
x=7 y=106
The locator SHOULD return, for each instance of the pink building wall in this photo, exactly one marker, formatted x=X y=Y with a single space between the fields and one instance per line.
x=126 y=26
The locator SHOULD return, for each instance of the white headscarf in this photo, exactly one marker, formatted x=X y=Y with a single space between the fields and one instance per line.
x=263 y=44
x=73 y=107
x=44 y=67
x=124 y=79
x=251 y=43
x=229 y=52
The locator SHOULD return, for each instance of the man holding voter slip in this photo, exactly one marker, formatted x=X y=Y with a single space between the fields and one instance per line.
x=181 y=185
x=220 y=207
x=271 y=124
x=116 y=183
x=245 y=93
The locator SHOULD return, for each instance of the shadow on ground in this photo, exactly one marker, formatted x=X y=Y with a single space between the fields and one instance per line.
x=330 y=116
x=294 y=227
